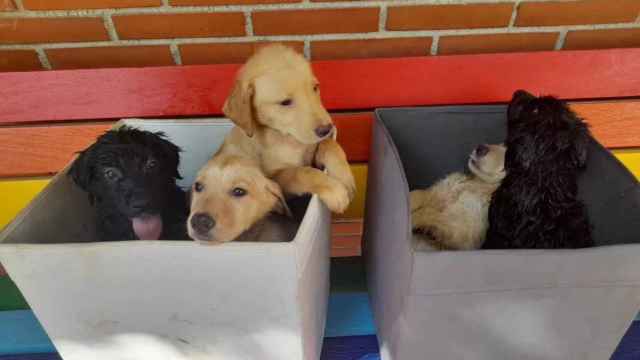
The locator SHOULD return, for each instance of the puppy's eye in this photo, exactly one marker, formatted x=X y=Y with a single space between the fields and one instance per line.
x=151 y=164
x=286 y=102
x=238 y=192
x=198 y=186
x=111 y=174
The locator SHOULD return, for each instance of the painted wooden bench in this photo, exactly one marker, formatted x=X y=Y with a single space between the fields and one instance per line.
x=47 y=116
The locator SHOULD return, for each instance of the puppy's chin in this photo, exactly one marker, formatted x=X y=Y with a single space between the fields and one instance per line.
x=478 y=172
x=208 y=239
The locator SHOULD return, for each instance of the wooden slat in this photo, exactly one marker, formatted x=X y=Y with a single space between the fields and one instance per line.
x=354 y=134
x=44 y=150
x=346 y=84
x=615 y=124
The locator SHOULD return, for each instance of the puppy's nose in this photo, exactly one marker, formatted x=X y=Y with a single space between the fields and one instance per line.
x=202 y=222
x=139 y=204
x=324 y=130
x=482 y=150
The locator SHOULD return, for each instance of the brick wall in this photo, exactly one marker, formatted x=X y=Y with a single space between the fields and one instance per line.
x=67 y=34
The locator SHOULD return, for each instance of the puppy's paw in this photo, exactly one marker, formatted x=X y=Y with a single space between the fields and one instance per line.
x=336 y=196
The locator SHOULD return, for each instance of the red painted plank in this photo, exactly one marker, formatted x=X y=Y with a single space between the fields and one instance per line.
x=354 y=134
x=346 y=84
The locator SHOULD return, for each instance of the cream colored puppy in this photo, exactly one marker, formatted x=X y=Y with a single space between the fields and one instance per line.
x=453 y=213
x=231 y=199
x=282 y=125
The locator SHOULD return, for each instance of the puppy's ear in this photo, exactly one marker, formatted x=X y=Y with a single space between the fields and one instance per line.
x=239 y=106
x=518 y=101
x=281 y=205
x=81 y=169
x=581 y=145
x=168 y=152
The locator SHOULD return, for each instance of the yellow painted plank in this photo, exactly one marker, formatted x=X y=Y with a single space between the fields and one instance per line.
x=631 y=159
x=16 y=194
x=356 y=209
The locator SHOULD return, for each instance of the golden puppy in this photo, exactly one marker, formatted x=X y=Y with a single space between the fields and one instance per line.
x=282 y=124
x=231 y=199
x=453 y=213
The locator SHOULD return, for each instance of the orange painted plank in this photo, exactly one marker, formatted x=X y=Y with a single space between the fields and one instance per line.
x=346 y=84
x=615 y=124
x=43 y=150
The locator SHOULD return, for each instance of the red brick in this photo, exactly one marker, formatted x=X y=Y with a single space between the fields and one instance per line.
x=577 y=12
x=169 y=26
x=602 y=39
x=109 y=56
x=496 y=43
x=86 y=4
x=371 y=48
x=225 y=53
x=324 y=21
x=19 y=60
x=7 y=5
x=227 y=2
x=40 y=30
x=449 y=16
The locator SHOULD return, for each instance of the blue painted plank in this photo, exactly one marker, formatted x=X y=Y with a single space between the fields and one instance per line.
x=350 y=348
x=51 y=356
x=629 y=348
x=349 y=314
x=21 y=333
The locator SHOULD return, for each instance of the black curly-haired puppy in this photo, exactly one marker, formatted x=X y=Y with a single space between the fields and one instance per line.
x=130 y=176
x=536 y=206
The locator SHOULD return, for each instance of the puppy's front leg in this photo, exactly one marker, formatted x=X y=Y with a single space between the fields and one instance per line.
x=331 y=156
x=307 y=180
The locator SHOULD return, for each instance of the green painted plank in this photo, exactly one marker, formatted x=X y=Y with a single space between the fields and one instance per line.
x=10 y=297
x=348 y=274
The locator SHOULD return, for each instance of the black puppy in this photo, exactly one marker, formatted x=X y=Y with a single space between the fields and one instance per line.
x=130 y=176
x=536 y=205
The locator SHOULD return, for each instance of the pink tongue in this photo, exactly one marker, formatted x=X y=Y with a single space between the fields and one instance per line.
x=147 y=227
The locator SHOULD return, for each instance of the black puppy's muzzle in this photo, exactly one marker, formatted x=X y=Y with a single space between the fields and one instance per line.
x=202 y=223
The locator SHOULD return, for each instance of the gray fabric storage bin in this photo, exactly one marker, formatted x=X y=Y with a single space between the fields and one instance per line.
x=493 y=304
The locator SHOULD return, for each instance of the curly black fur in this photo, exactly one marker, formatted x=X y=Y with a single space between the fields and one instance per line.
x=130 y=173
x=536 y=205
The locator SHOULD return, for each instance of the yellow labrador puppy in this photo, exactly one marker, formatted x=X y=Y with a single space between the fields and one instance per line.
x=232 y=200
x=281 y=123
x=453 y=213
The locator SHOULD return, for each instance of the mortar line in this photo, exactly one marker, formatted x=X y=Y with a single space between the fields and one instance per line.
x=352 y=36
x=435 y=42
x=111 y=28
x=382 y=18
x=175 y=53
x=307 y=48
x=44 y=59
x=514 y=14
x=248 y=23
x=19 y=5
x=561 y=38
x=234 y=8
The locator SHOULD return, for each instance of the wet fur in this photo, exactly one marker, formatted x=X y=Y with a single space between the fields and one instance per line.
x=127 y=149
x=536 y=206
